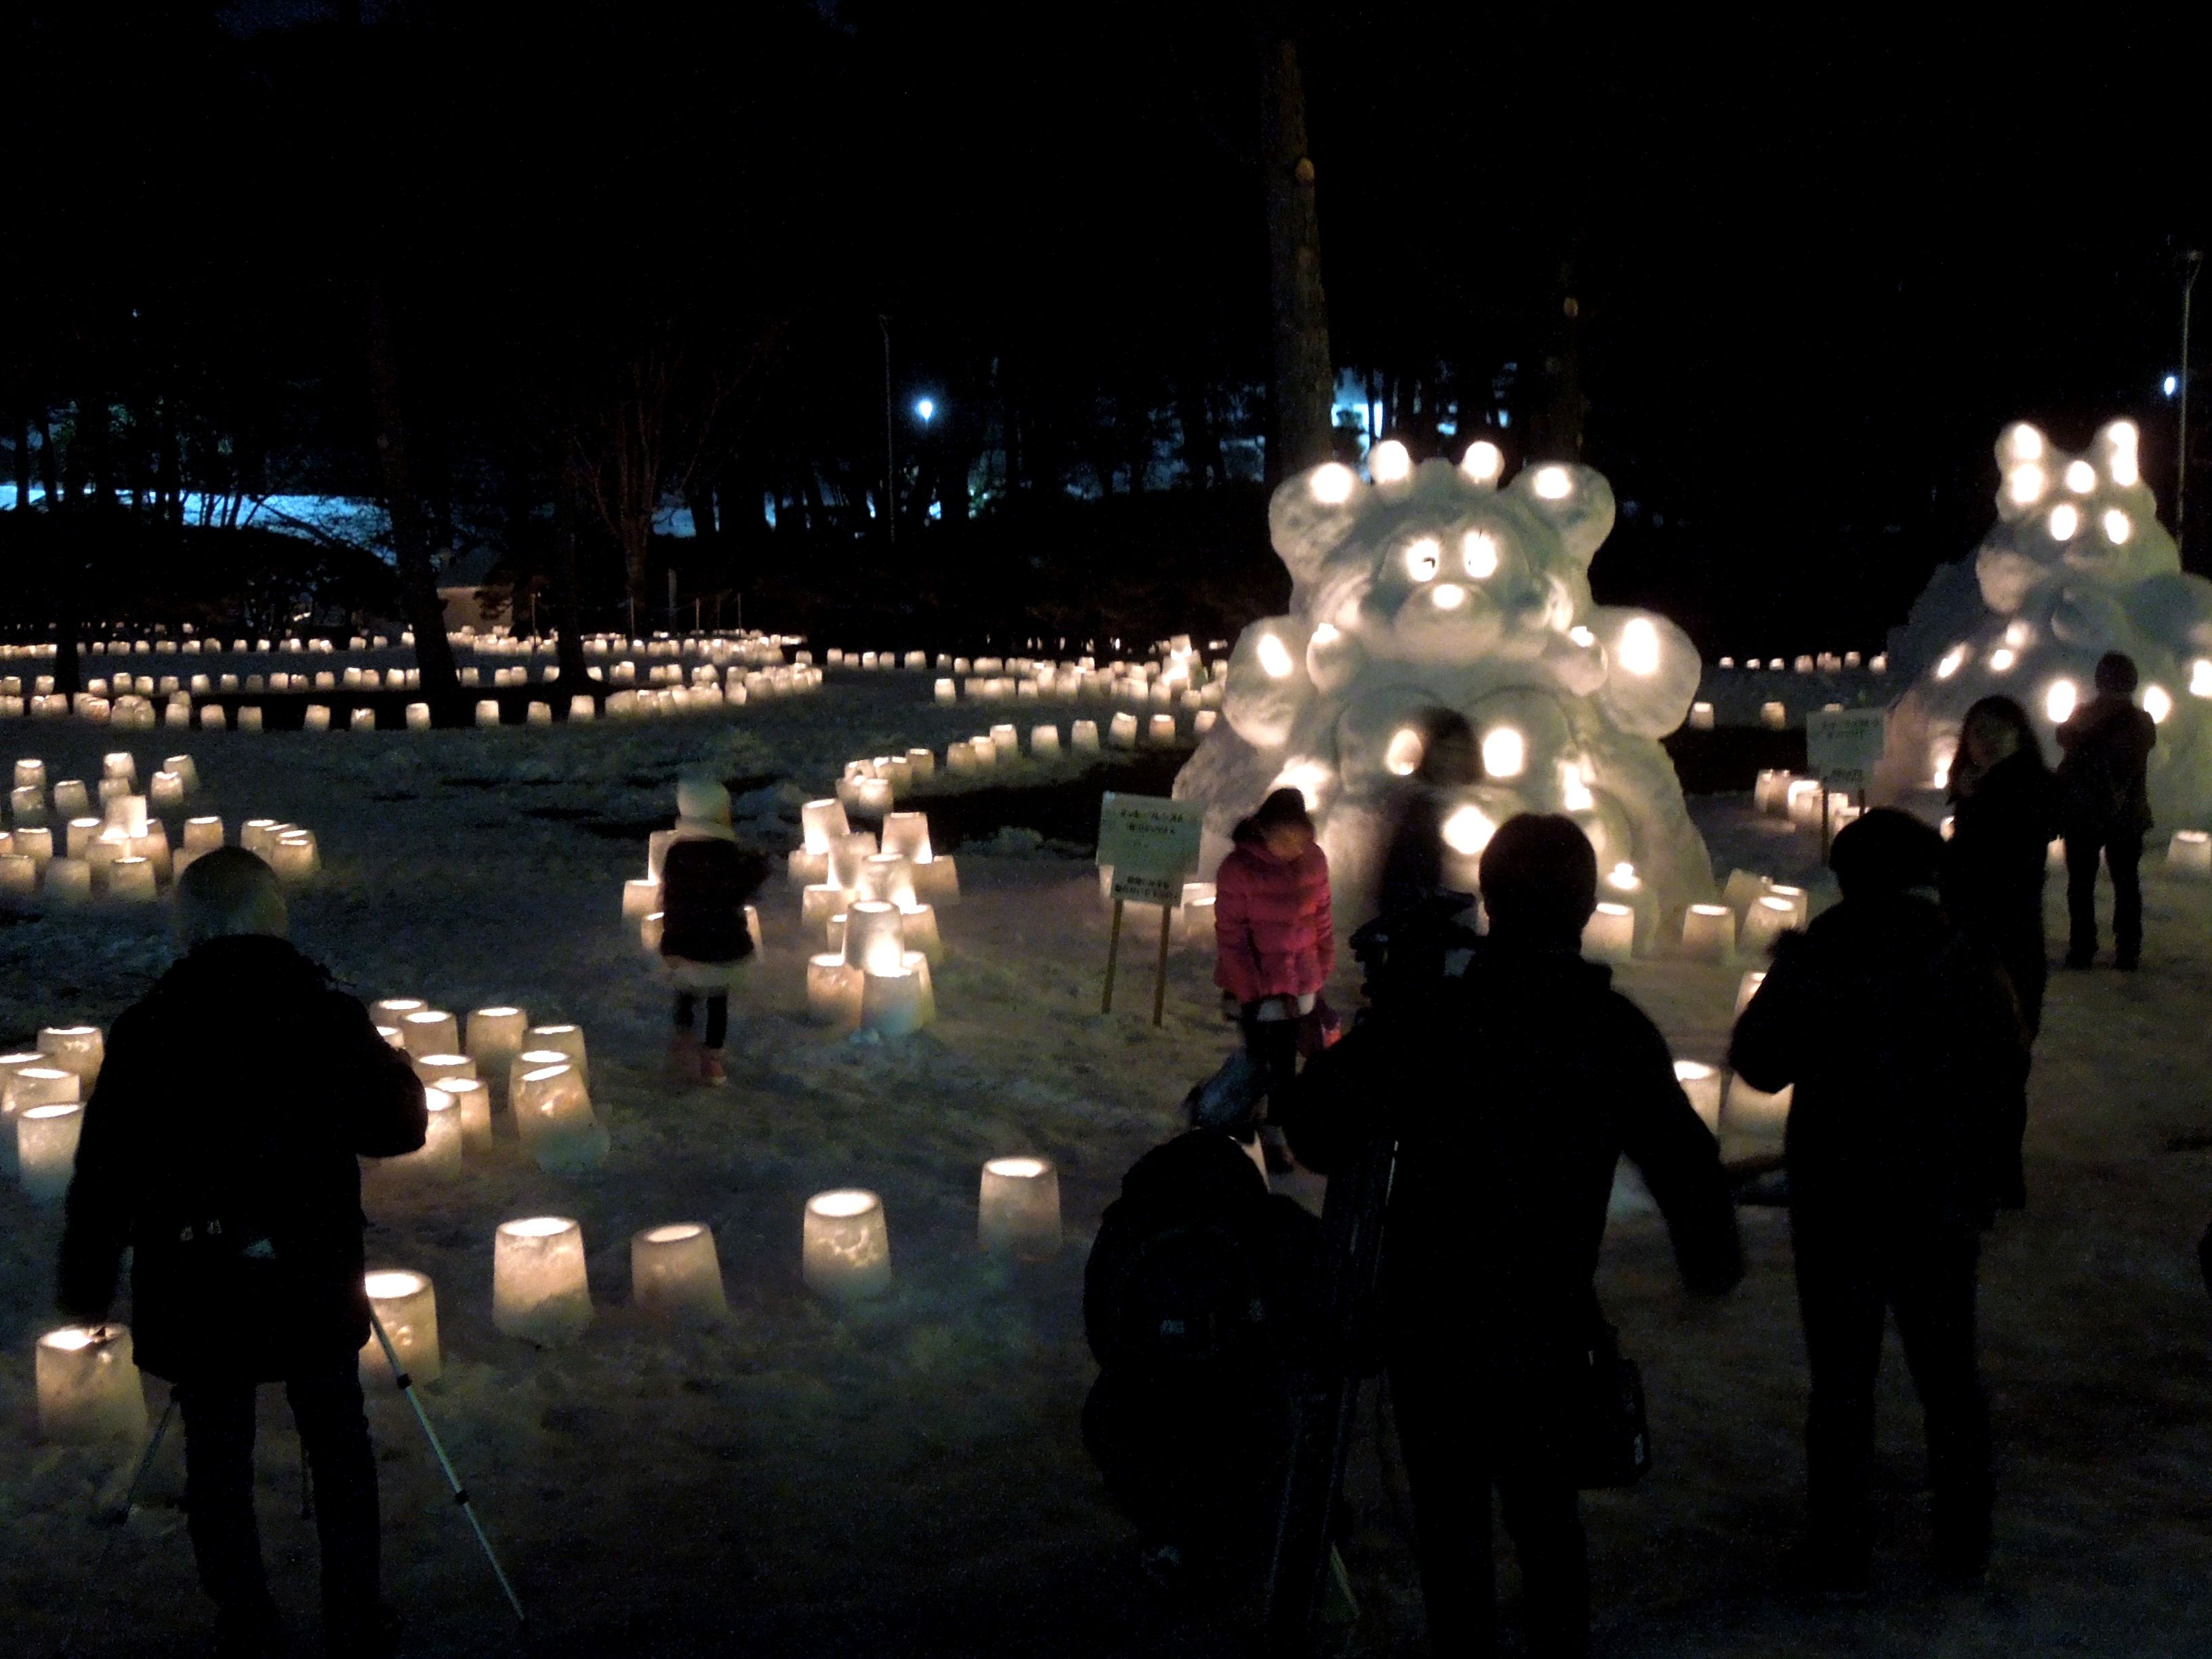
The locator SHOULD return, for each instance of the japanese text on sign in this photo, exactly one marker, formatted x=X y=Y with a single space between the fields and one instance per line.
x=1843 y=746
x=1151 y=844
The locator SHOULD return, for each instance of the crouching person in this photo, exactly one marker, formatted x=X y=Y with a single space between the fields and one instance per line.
x=1513 y=1088
x=240 y=1203
x=1905 y=1050
x=1197 y=1299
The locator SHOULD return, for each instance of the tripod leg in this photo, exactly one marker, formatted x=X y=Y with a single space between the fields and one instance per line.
x=115 y=1524
x=406 y=1384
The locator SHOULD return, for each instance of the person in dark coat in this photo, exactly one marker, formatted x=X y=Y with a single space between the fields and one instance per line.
x=1514 y=1088
x=1413 y=864
x=2005 y=815
x=705 y=879
x=2104 y=792
x=238 y=1196
x=1906 y=1051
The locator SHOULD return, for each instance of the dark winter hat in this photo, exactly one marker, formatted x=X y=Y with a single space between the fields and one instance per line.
x=2117 y=675
x=1283 y=809
x=226 y=892
x=1885 y=851
x=1539 y=874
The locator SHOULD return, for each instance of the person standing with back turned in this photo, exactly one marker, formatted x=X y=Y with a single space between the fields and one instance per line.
x=1903 y=1046
x=1513 y=1089
x=240 y=1203
x=705 y=879
x=2103 y=792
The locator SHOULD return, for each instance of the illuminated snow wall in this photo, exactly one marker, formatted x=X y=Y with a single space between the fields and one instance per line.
x=1433 y=587
x=2076 y=565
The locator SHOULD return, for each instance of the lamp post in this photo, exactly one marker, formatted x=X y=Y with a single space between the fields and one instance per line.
x=891 y=464
x=2191 y=262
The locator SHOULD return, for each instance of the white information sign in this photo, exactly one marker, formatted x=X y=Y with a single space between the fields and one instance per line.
x=1150 y=843
x=1843 y=746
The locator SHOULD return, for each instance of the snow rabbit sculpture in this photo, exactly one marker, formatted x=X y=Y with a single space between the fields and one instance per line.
x=1433 y=587
x=2076 y=565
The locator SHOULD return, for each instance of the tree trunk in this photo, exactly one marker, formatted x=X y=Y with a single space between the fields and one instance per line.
x=22 y=459
x=418 y=582
x=50 y=472
x=1301 y=386
x=567 y=583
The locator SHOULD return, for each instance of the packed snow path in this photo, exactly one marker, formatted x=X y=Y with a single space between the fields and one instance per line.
x=906 y=1477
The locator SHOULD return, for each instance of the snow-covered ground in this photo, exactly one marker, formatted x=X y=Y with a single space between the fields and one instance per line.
x=907 y=1477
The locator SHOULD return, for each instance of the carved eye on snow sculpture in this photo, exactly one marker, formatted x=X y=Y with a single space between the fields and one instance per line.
x=1478 y=553
x=1423 y=559
x=1402 y=758
x=1504 y=753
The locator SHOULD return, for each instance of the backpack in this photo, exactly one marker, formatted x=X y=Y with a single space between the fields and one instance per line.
x=1181 y=1273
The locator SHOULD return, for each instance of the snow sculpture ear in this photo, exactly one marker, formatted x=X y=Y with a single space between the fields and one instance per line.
x=2025 y=475
x=2115 y=456
x=1310 y=513
x=1575 y=501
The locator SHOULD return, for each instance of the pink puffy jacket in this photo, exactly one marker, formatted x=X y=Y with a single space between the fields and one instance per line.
x=1272 y=930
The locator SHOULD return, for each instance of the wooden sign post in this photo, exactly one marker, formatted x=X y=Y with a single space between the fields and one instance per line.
x=1843 y=746
x=1151 y=844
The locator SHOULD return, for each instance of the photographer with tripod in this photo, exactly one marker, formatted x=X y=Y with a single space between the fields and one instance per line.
x=1512 y=1088
x=240 y=1199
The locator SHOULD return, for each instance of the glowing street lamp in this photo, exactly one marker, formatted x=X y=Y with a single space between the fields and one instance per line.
x=924 y=408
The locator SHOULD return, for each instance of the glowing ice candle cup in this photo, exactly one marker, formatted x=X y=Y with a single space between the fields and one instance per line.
x=539 y=1290
x=88 y=1386
x=675 y=1275
x=845 y=1244
x=1017 y=1209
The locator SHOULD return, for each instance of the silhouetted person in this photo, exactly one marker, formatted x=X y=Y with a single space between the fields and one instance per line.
x=2104 y=803
x=705 y=880
x=1413 y=864
x=1906 y=1051
x=1274 y=936
x=2005 y=814
x=239 y=1198
x=1513 y=1087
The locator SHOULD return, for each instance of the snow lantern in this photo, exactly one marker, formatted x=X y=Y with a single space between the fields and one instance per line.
x=918 y=931
x=2190 y=854
x=874 y=939
x=1702 y=1084
x=895 y=1001
x=907 y=835
x=539 y=1288
x=553 y=1115
x=1708 y=932
x=1435 y=589
x=640 y=898
x=1748 y=988
x=1610 y=933
x=202 y=835
x=78 y=1048
x=471 y=1100
x=430 y=1031
x=567 y=1040
x=1768 y=918
x=46 y=1150
x=1751 y=1111
x=833 y=990
x=439 y=1156
x=88 y=1386
x=406 y=1306
x=1018 y=1211
x=495 y=1037
x=845 y=1244
x=674 y=1273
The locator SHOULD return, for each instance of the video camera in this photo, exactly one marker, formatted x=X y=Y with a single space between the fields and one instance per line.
x=1413 y=949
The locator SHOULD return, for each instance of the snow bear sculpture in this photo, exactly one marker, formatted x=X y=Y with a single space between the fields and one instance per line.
x=2076 y=565
x=1433 y=587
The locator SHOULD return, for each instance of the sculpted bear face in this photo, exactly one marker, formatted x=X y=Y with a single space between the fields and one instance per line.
x=1433 y=587
x=2083 y=520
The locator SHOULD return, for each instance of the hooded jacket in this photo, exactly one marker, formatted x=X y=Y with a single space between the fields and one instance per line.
x=1905 y=1048
x=1514 y=1090
x=219 y=1144
x=1274 y=934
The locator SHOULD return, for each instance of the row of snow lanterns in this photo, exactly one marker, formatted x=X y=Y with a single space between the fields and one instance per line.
x=42 y=1094
x=123 y=853
x=542 y=1071
x=89 y=1389
x=1824 y=662
x=873 y=908
x=1752 y=912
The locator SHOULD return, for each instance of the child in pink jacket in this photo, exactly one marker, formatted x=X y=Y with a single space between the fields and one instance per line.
x=1273 y=935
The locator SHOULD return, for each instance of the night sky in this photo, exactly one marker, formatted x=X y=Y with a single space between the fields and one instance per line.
x=1819 y=260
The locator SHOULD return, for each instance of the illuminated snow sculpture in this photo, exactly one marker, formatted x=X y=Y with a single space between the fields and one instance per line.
x=1433 y=587
x=2076 y=565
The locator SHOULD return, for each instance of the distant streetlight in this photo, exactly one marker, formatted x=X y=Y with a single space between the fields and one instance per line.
x=925 y=408
x=2170 y=385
